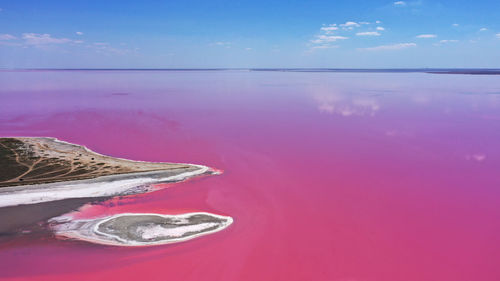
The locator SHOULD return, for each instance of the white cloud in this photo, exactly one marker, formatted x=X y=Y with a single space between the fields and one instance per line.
x=415 y=3
x=43 y=39
x=377 y=22
x=497 y=35
x=397 y=46
x=379 y=28
x=427 y=36
x=222 y=43
x=448 y=41
x=483 y=29
x=248 y=49
x=7 y=37
x=324 y=47
x=328 y=33
x=328 y=38
x=455 y=25
x=79 y=33
x=329 y=29
x=368 y=33
x=350 y=23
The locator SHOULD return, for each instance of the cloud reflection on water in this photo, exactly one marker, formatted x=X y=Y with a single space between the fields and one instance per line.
x=346 y=105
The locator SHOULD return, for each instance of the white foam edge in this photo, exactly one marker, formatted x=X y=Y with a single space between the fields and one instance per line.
x=84 y=188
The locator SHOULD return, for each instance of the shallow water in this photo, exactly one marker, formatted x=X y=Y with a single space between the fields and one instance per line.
x=328 y=176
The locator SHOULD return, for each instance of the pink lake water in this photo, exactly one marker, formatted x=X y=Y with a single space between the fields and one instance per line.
x=328 y=176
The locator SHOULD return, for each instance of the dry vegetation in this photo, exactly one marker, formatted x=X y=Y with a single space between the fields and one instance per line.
x=26 y=161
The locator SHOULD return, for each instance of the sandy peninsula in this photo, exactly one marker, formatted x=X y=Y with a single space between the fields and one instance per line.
x=36 y=170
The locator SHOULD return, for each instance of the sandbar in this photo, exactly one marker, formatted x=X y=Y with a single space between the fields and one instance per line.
x=140 y=229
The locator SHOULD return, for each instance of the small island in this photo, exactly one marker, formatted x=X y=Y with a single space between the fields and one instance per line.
x=137 y=229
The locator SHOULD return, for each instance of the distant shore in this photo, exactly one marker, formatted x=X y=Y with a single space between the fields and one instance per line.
x=472 y=71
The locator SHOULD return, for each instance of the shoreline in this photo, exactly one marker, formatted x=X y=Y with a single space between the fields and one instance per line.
x=58 y=170
x=104 y=186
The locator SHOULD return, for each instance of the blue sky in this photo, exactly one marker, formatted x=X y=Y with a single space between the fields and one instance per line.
x=190 y=34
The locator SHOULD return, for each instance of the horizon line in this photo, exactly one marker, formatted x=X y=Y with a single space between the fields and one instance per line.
x=490 y=71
